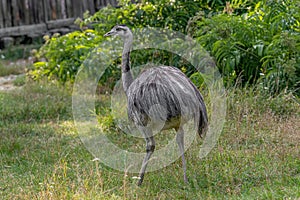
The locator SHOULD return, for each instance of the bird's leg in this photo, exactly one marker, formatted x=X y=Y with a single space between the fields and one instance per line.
x=180 y=142
x=150 y=146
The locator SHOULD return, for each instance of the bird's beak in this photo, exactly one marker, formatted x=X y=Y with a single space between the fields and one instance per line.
x=110 y=33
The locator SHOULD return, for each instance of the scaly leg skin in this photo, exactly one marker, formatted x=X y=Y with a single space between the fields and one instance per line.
x=180 y=142
x=150 y=146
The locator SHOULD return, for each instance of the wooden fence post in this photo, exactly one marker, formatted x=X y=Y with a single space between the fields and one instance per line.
x=1 y=16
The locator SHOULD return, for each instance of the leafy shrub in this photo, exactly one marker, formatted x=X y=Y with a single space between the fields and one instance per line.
x=249 y=45
x=65 y=54
x=262 y=45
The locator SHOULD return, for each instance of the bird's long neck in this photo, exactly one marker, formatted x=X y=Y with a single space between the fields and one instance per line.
x=127 y=77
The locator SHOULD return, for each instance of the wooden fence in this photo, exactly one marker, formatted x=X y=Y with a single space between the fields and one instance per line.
x=29 y=12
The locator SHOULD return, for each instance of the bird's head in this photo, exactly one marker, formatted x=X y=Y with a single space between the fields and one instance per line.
x=119 y=30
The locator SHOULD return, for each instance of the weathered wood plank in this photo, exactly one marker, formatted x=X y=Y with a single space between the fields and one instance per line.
x=92 y=7
x=15 y=13
x=77 y=8
x=53 y=10
x=46 y=8
x=102 y=3
x=34 y=12
x=58 y=9
x=24 y=30
x=31 y=20
x=97 y=4
x=63 y=9
x=84 y=6
x=22 y=11
x=54 y=24
x=69 y=8
x=26 y=12
x=1 y=16
x=8 y=21
x=41 y=16
x=112 y=2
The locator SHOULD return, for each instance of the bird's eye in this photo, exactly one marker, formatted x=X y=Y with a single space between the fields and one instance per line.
x=118 y=29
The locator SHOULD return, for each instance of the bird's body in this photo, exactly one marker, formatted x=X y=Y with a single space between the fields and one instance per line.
x=160 y=98
x=163 y=94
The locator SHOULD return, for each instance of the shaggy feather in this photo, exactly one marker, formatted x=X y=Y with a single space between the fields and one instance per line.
x=160 y=98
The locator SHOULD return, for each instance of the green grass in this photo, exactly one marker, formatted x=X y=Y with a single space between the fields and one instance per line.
x=20 y=80
x=20 y=51
x=7 y=69
x=42 y=157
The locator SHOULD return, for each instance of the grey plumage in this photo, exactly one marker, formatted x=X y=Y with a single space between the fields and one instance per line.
x=160 y=98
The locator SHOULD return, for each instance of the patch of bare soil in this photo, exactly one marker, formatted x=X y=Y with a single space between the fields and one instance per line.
x=7 y=82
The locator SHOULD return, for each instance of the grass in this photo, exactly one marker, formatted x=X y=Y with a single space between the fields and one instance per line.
x=19 y=52
x=7 y=69
x=42 y=157
x=20 y=80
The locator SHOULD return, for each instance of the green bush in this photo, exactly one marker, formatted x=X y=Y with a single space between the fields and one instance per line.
x=259 y=46
x=65 y=54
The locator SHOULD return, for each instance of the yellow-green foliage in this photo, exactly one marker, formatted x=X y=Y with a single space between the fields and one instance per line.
x=249 y=43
